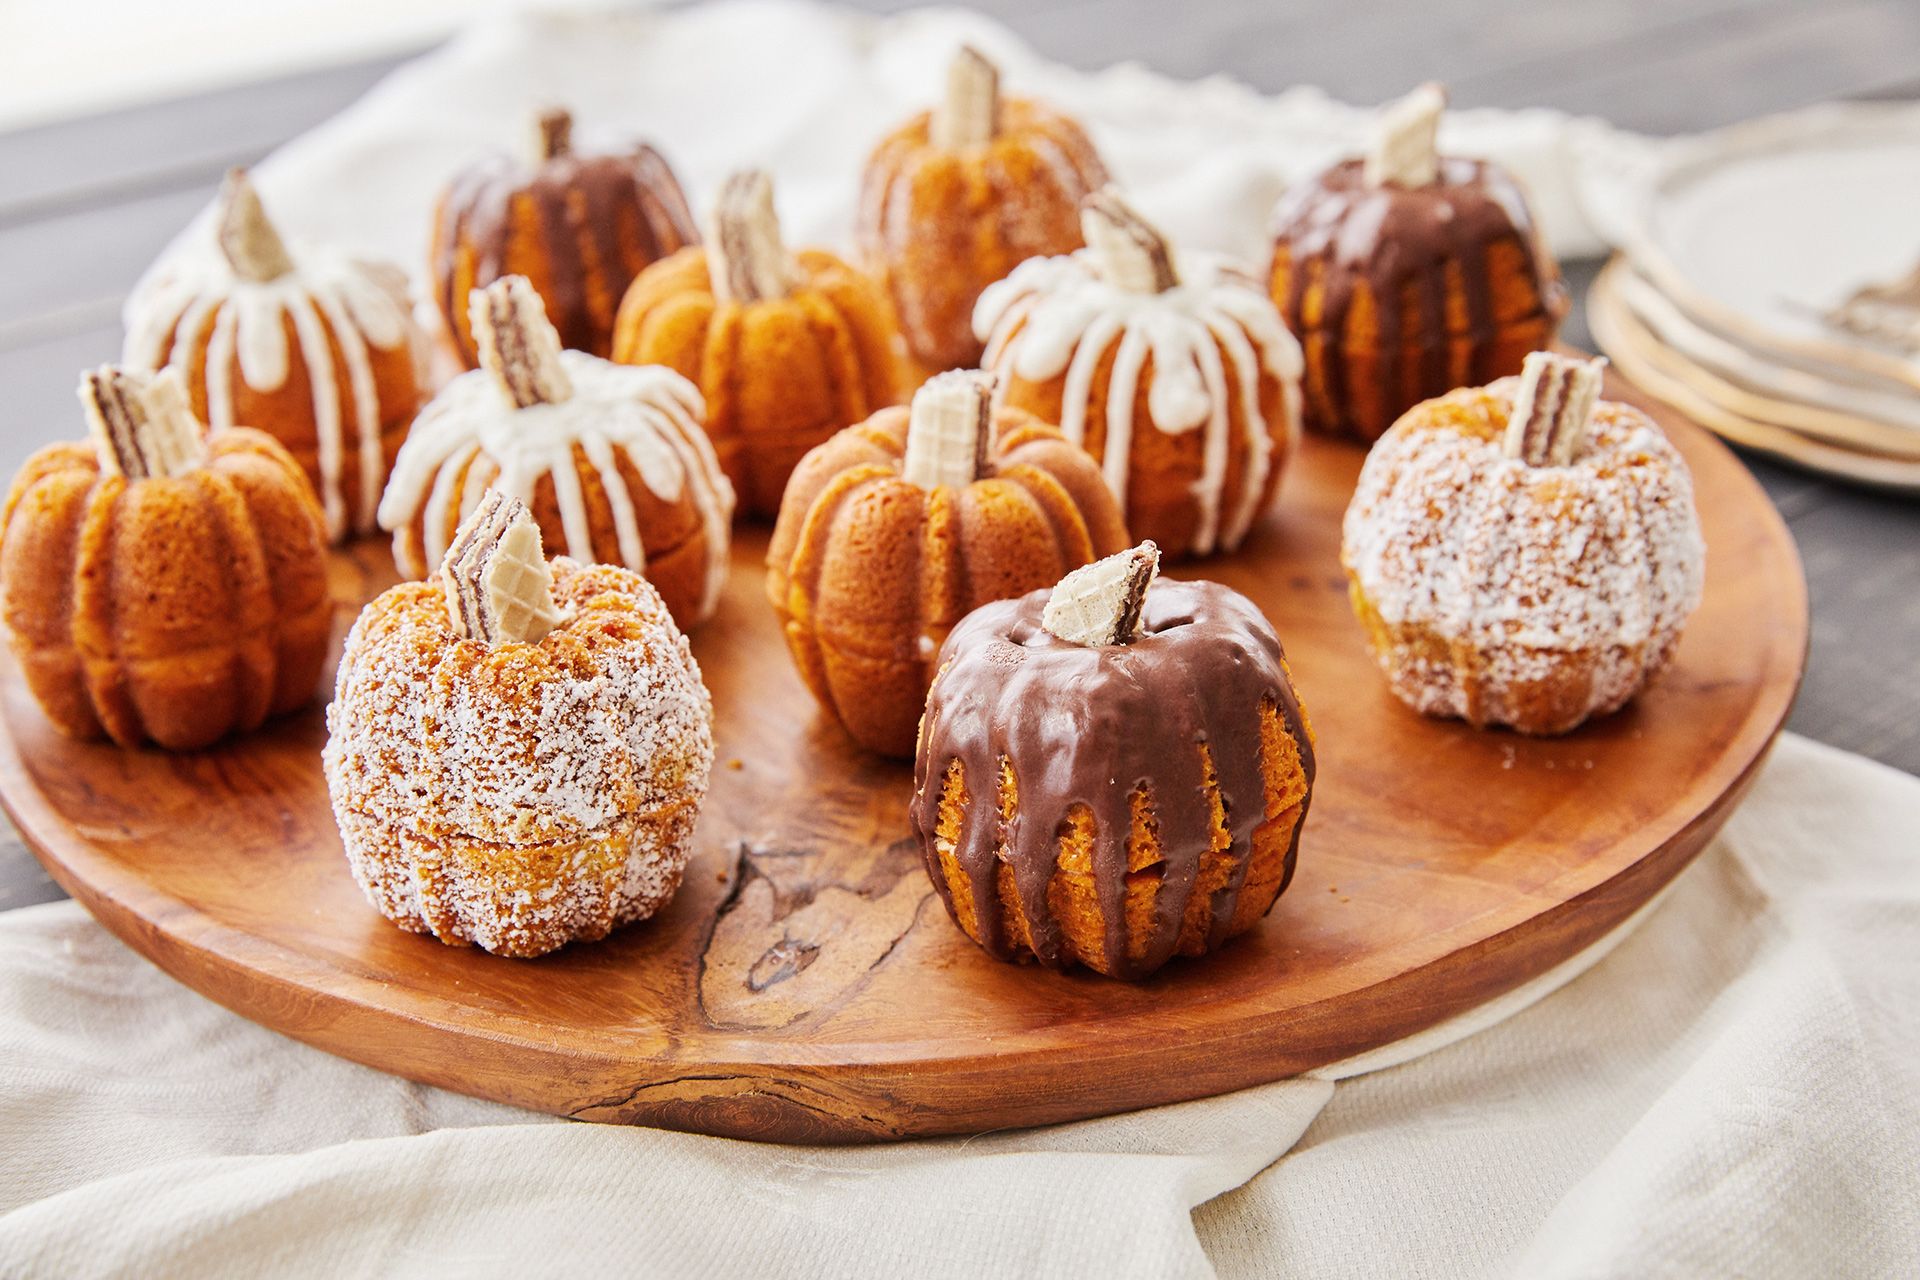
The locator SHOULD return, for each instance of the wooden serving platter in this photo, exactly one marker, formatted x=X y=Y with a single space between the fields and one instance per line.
x=806 y=984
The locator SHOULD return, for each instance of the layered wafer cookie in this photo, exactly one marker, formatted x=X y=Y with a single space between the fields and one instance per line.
x=1101 y=604
x=498 y=583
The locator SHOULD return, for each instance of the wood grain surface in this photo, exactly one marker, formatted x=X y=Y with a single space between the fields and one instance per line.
x=88 y=202
x=807 y=985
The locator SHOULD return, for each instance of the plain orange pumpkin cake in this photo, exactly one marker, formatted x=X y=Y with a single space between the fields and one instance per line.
x=517 y=750
x=957 y=196
x=1524 y=553
x=895 y=528
x=162 y=584
x=787 y=347
x=1112 y=772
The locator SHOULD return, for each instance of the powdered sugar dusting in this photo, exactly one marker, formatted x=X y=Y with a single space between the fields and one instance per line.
x=1508 y=593
x=525 y=795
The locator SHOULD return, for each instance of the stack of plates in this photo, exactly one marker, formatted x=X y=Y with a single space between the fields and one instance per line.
x=1721 y=299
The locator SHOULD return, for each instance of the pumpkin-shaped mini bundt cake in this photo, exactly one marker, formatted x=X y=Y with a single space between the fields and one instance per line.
x=896 y=528
x=787 y=348
x=517 y=750
x=1179 y=379
x=610 y=458
x=160 y=584
x=579 y=226
x=958 y=196
x=1523 y=553
x=1409 y=273
x=312 y=346
x=1112 y=772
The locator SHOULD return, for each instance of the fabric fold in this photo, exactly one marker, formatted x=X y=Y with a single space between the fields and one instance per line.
x=1732 y=1086
x=1727 y=1092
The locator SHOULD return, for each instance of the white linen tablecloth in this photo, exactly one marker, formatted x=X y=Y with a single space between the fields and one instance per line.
x=1731 y=1091
x=1735 y=1090
x=805 y=91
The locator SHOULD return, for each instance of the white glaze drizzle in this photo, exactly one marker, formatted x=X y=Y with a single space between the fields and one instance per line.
x=1056 y=314
x=650 y=414
x=366 y=394
x=364 y=304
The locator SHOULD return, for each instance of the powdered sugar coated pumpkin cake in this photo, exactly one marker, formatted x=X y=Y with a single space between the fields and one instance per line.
x=518 y=750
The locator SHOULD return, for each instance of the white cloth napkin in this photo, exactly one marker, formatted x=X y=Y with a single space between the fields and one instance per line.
x=804 y=91
x=1734 y=1091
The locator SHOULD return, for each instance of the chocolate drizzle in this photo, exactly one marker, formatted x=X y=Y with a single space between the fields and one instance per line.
x=1090 y=726
x=1394 y=237
x=611 y=214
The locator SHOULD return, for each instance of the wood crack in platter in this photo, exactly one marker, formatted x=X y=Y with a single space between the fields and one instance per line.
x=806 y=984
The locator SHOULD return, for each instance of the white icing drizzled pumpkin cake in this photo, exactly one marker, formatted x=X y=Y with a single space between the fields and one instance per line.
x=611 y=458
x=1177 y=376
x=306 y=343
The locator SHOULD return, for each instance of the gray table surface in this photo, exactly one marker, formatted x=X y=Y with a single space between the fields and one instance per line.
x=86 y=204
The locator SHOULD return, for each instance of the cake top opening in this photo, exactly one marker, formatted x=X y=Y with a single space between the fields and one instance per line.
x=552 y=134
x=745 y=255
x=949 y=430
x=250 y=241
x=969 y=114
x=1129 y=252
x=1553 y=408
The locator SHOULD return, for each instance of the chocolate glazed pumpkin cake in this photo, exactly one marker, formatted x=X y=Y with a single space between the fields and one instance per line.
x=1407 y=273
x=1110 y=775
x=579 y=226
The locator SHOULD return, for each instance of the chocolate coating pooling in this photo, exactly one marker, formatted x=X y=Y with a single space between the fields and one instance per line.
x=1086 y=725
x=1394 y=237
